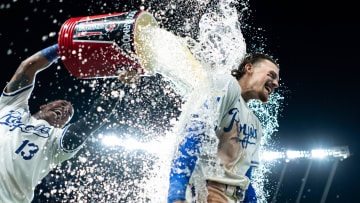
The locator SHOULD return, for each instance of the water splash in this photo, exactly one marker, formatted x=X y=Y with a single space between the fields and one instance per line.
x=101 y=173
x=221 y=44
x=268 y=115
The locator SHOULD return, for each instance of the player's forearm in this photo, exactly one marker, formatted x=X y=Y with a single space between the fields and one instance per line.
x=184 y=165
x=25 y=73
x=100 y=111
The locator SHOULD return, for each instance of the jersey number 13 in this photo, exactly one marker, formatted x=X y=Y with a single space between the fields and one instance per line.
x=29 y=153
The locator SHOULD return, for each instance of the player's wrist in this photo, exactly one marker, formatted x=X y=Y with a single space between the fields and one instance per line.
x=51 y=53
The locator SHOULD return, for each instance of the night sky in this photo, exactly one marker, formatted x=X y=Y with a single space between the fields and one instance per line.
x=317 y=47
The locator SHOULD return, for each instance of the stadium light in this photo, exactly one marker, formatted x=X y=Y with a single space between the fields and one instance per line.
x=268 y=156
x=341 y=152
x=320 y=153
x=163 y=146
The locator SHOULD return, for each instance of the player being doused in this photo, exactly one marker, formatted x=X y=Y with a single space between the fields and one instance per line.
x=237 y=129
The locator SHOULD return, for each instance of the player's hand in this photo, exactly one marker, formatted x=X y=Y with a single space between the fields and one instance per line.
x=179 y=202
x=129 y=77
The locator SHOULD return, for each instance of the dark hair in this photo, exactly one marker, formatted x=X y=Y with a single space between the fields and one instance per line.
x=251 y=58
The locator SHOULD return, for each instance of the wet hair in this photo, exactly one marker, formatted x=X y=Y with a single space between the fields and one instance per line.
x=251 y=58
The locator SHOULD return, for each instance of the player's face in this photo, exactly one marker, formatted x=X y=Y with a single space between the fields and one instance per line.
x=56 y=113
x=265 y=79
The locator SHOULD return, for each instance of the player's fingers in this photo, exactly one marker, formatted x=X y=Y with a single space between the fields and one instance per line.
x=130 y=76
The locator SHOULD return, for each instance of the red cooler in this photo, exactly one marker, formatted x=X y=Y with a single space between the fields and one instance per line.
x=103 y=45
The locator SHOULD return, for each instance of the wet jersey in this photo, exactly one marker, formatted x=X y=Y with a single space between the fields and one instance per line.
x=29 y=148
x=239 y=132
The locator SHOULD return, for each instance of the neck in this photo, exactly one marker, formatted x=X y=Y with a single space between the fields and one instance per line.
x=36 y=115
x=246 y=92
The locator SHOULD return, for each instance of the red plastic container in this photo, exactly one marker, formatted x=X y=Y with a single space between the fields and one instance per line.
x=102 y=45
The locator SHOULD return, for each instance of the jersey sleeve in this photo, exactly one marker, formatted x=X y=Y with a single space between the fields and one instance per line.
x=59 y=153
x=17 y=99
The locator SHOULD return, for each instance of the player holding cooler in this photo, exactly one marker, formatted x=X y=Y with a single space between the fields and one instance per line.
x=238 y=130
x=31 y=145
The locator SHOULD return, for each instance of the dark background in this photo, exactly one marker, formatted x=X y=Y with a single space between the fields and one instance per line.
x=316 y=45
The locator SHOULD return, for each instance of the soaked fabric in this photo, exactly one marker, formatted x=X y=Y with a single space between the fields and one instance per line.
x=216 y=195
x=239 y=132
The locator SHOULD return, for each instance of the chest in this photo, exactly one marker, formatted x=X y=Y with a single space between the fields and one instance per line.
x=20 y=122
x=239 y=133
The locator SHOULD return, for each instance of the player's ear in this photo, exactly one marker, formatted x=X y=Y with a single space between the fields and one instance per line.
x=249 y=68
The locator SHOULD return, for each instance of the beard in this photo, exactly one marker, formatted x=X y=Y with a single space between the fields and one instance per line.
x=263 y=97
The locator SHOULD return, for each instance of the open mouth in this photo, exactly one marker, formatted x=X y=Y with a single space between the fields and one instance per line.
x=58 y=113
x=268 y=89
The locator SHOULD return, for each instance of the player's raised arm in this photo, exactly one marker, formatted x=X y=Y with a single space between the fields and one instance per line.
x=25 y=73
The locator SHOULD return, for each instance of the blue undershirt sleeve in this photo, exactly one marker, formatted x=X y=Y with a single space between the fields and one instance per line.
x=51 y=53
x=250 y=195
x=184 y=165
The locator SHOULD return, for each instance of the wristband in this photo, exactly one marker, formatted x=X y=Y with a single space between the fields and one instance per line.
x=51 y=53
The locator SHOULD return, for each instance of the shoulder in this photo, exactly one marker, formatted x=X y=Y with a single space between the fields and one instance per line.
x=227 y=83
x=222 y=80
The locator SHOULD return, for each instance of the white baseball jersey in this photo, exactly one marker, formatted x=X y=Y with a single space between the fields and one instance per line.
x=239 y=132
x=29 y=148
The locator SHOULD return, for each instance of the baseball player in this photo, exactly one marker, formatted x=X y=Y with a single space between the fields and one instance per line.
x=237 y=128
x=31 y=145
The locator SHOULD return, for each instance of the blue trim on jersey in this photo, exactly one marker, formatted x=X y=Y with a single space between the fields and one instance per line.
x=11 y=94
x=184 y=165
x=250 y=195
x=61 y=138
x=255 y=162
